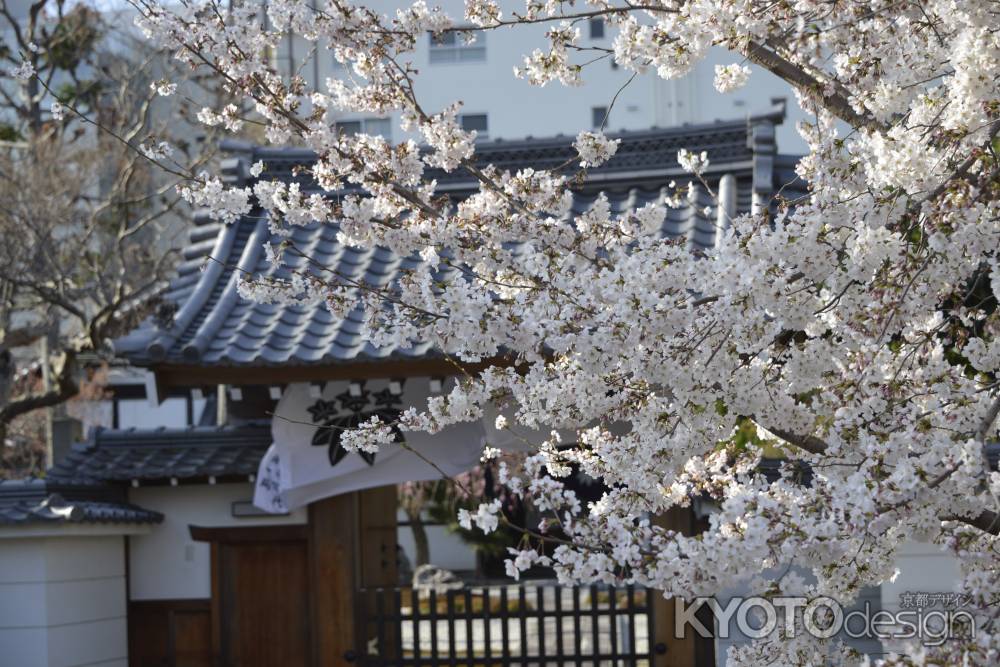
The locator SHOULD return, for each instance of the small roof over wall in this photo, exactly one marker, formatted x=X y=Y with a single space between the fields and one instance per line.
x=163 y=455
x=216 y=337
x=49 y=502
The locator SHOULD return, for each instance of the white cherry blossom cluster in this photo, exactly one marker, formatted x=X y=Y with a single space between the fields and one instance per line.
x=694 y=163
x=22 y=71
x=594 y=148
x=369 y=436
x=163 y=88
x=226 y=204
x=486 y=517
x=730 y=77
x=850 y=333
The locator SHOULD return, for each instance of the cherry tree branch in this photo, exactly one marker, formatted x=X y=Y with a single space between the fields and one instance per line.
x=64 y=389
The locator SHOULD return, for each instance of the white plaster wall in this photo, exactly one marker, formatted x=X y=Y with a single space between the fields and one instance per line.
x=172 y=412
x=694 y=99
x=923 y=568
x=62 y=601
x=447 y=550
x=166 y=563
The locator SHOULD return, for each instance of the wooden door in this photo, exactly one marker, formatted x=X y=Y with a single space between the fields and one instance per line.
x=170 y=633
x=263 y=604
x=285 y=595
x=353 y=542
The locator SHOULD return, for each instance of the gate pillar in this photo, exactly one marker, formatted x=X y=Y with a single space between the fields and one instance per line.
x=669 y=650
x=352 y=541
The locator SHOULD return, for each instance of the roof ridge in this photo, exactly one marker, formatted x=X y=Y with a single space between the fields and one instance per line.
x=157 y=348
x=193 y=349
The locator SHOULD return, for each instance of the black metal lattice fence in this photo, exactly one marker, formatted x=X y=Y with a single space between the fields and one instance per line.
x=527 y=624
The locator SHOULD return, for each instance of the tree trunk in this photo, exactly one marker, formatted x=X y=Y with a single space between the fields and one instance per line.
x=6 y=385
x=423 y=555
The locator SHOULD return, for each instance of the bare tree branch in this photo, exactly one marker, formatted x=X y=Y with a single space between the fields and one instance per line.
x=65 y=389
x=23 y=336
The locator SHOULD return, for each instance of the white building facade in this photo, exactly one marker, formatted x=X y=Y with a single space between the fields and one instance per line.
x=498 y=105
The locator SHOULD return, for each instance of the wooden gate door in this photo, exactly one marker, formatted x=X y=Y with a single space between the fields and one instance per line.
x=261 y=596
x=264 y=599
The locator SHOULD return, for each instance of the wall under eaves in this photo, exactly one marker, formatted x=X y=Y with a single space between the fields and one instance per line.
x=62 y=599
x=165 y=563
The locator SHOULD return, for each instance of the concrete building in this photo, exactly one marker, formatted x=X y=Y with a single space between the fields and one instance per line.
x=500 y=106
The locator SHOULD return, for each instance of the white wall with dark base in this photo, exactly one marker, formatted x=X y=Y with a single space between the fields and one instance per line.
x=447 y=550
x=922 y=568
x=62 y=600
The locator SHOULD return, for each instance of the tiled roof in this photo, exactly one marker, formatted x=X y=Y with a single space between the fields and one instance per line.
x=163 y=454
x=646 y=154
x=44 y=501
x=214 y=327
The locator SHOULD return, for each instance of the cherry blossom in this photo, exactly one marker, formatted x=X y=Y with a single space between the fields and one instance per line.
x=163 y=88
x=594 y=148
x=851 y=332
x=23 y=71
x=730 y=77
x=485 y=517
x=368 y=437
x=691 y=162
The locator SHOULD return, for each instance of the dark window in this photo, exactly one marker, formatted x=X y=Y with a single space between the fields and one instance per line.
x=477 y=122
x=373 y=126
x=454 y=47
x=597 y=115
x=349 y=126
x=443 y=39
x=597 y=28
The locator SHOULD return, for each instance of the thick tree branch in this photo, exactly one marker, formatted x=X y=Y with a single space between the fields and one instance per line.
x=836 y=102
x=65 y=388
x=987 y=521
x=810 y=443
x=23 y=336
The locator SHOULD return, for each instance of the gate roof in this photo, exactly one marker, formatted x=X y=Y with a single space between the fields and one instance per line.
x=217 y=337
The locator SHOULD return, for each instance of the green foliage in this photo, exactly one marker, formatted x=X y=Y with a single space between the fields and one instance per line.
x=73 y=39
x=9 y=133
x=746 y=439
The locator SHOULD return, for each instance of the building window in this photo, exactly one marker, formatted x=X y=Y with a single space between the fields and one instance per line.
x=374 y=126
x=453 y=47
x=597 y=115
x=477 y=122
x=597 y=28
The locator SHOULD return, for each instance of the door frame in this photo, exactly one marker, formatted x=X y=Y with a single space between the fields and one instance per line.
x=350 y=543
x=217 y=536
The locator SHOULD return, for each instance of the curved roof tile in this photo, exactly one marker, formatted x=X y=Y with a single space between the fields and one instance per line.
x=214 y=326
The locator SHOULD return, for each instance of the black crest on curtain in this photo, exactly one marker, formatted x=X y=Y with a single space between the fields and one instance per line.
x=345 y=411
